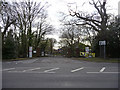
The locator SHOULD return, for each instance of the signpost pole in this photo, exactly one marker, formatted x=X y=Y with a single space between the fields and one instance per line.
x=30 y=52
x=104 y=52
x=102 y=43
x=100 y=50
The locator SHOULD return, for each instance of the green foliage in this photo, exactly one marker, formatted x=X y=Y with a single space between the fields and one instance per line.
x=9 y=47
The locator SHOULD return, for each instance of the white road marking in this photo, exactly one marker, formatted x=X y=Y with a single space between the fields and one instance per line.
x=15 y=71
x=31 y=72
x=104 y=72
x=51 y=69
x=102 y=69
x=31 y=69
x=8 y=69
x=77 y=69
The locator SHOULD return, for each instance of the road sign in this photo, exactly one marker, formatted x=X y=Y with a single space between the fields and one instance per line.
x=87 y=49
x=30 y=52
x=102 y=42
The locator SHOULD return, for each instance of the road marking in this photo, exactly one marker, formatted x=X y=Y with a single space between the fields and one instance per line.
x=77 y=69
x=102 y=69
x=15 y=71
x=8 y=69
x=51 y=69
x=104 y=72
x=31 y=69
x=31 y=72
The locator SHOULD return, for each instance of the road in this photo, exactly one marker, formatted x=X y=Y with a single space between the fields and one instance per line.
x=59 y=72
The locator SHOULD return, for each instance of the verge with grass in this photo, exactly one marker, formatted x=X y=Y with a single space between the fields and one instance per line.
x=109 y=60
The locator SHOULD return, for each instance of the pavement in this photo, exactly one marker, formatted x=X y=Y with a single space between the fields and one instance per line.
x=59 y=72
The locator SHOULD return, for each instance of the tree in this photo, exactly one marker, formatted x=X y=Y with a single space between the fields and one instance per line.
x=26 y=13
x=71 y=37
x=43 y=28
x=52 y=41
x=23 y=18
x=112 y=38
x=7 y=15
x=9 y=47
x=99 y=25
x=103 y=26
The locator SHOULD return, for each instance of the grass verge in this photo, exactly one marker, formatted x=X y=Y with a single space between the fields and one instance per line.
x=109 y=60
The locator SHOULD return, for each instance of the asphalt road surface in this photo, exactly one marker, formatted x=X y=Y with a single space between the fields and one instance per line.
x=59 y=72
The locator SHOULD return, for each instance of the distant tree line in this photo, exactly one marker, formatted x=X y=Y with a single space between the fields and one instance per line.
x=24 y=24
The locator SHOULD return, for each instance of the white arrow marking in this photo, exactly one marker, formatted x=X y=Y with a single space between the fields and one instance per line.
x=102 y=69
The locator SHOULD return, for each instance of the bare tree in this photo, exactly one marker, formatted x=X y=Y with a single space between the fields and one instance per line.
x=99 y=25
x=27 y=13
x=7 y=16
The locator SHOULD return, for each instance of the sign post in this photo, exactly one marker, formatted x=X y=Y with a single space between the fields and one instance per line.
x=30 y=52
x=102 y=43
x=87 y=51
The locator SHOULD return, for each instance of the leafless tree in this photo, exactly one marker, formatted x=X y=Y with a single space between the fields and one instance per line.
x=99 y=25
x=7 y=16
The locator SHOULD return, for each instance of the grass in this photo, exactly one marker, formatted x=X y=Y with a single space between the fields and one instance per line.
x=109 y=60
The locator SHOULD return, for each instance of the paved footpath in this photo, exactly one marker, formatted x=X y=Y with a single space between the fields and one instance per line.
x=59 y=72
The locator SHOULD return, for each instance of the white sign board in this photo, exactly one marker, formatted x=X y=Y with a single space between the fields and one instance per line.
x=102 y=42
x=42 y=53
x=30 y=52
x=34 y=51
x=87 y=49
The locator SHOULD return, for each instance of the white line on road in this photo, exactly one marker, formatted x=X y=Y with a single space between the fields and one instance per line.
x=31 y=69
x=15 y=71
x=104 y=72
x=77 y=69
x=51 y=69
x=31 y=72
x=102 y=69
x=8 y=69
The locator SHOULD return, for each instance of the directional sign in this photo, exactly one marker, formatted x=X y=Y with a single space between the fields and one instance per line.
x=87 y=49
x=102 y=42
